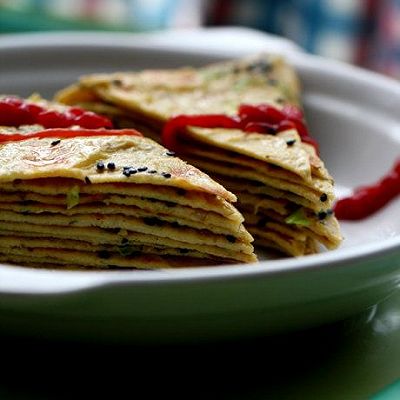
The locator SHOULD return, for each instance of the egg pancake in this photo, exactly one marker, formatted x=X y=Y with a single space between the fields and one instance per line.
x=278 y=174
x=104 y=201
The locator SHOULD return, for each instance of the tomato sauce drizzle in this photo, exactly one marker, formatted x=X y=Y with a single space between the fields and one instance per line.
x=366 y=200
x=16 y=112
x=260 y=118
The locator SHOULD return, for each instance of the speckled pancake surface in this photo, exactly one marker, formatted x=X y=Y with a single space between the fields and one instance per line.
x=112 y=202
x=280 y=166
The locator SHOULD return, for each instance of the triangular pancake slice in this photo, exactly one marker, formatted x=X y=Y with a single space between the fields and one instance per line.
x=101 y=200
x=276 y=174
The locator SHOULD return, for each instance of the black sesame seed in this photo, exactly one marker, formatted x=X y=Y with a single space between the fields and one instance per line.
x=142 y=169
x=322 y=215
x=124 y=241
x=184 y=251
x=170 y=153
x=100 y=166
x=291 y=142
x=152 y=171
x=55 y=142
x=279 y=100
x=175 y=224
x=117 y=82
x=230 y=238
x=111 y=165
x=87 y=180
x=166 y=175
x=323 y=197
x=128 y=171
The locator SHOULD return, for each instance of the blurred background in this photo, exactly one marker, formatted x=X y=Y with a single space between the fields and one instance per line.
x=362 y=32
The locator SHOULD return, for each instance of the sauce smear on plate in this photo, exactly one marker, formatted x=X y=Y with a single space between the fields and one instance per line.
x=366 y=200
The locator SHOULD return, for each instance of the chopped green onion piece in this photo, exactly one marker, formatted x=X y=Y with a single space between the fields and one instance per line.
x=73 y=197
x=298 y=218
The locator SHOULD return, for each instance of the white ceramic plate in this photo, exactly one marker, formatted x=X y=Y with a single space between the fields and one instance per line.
x=353 y=114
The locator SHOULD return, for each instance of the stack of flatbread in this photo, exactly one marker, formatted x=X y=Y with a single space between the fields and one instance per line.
x=108 y=201
x=284 y=190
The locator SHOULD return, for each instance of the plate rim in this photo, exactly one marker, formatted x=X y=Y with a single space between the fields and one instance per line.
x=340 y=258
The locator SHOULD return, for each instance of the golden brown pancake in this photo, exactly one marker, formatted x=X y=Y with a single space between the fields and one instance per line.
x=112 y=202
x=278 y=174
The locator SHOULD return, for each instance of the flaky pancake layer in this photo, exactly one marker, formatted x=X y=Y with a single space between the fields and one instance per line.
x=271 y=174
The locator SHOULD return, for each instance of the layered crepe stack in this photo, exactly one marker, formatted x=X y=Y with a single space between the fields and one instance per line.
x=112 y=202
x=283 y=188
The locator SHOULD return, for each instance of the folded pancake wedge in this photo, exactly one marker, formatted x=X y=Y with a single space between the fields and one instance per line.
x=273 y=172
x=101 y=200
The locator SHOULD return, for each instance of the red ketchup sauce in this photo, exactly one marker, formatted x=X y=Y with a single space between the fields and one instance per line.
x=16 y=112
x=261 y=118
x=366 y=200
x=67 y=133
